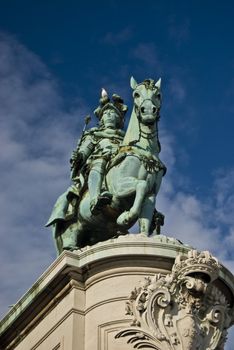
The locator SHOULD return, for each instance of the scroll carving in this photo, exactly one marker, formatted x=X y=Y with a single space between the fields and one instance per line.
x=182 y=310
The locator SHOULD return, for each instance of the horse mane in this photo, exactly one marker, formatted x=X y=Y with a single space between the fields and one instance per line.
x=149 y=83
x=133 y=130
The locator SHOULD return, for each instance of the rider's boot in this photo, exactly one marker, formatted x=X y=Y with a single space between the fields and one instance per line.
x=100 y=202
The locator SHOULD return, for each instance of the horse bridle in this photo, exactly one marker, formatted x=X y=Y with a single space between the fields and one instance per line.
x=142 y=133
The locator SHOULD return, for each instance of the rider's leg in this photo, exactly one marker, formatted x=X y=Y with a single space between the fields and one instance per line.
x=95 y=180
x=96 y=177
x=69 y=237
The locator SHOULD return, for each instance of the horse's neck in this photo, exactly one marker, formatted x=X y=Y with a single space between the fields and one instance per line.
x=143 y=136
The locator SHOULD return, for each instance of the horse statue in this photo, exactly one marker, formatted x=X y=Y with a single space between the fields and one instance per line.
x=132 y=179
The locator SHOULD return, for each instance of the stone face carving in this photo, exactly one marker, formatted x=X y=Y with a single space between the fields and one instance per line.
x=183 y=310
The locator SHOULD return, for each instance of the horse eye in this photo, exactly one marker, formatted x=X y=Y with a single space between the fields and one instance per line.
x=136 y=95
x=158 y=96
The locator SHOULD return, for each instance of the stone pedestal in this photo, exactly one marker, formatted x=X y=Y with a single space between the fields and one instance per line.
x=93 y=298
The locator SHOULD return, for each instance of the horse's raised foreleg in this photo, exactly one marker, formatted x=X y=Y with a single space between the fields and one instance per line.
x=146 y=214
x=128 y=217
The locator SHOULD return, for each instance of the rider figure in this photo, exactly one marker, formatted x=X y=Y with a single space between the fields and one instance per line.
x=99 y=145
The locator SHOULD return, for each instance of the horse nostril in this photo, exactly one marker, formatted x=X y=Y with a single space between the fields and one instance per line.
x=154 y=110
x=143 y=109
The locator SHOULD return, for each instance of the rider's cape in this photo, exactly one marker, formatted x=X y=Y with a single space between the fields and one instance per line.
x=61 y=210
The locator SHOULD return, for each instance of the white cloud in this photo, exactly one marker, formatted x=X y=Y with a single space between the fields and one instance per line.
x=205 y=223
x=36 y=138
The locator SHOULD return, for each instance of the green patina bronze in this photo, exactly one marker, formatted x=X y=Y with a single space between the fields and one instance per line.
x=115 y=175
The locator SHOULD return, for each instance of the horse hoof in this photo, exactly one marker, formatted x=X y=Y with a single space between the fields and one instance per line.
x=124 y=219
x=70 y=248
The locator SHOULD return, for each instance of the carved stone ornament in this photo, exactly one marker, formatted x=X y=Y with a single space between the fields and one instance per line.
x=182 y=310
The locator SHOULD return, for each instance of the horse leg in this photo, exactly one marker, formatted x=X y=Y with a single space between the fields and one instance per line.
x=146 y=214
x=127 y=217
x=56 y=232
x=64 y=235
x=69 y=238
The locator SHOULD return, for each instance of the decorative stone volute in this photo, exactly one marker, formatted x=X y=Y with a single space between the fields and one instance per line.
x=183 y=310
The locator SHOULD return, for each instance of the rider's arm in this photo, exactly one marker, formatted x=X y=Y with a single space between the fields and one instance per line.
x=83 y=150
x=87 y=146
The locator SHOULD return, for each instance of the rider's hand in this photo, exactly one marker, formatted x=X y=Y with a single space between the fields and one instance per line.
x=76 y=159
x=79 y=158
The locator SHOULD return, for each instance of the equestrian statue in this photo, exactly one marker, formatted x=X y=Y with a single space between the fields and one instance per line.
x=115 y=175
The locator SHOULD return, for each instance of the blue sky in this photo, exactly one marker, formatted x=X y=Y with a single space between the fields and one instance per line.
x=55 y=56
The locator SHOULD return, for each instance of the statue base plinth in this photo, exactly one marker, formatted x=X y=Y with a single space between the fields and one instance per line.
x=79 y=302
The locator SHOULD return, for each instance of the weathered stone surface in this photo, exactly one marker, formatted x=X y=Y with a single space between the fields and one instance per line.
x=79 y=302
x=183 y=310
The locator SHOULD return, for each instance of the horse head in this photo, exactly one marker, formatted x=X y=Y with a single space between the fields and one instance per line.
x=147 y=100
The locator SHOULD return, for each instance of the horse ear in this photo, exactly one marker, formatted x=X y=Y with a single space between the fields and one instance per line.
x=133 y=83
x=158 y=83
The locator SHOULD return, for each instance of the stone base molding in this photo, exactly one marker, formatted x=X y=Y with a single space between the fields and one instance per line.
x=179 y=299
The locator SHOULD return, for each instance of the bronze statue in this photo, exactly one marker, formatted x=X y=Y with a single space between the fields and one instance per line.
x=116 y=176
